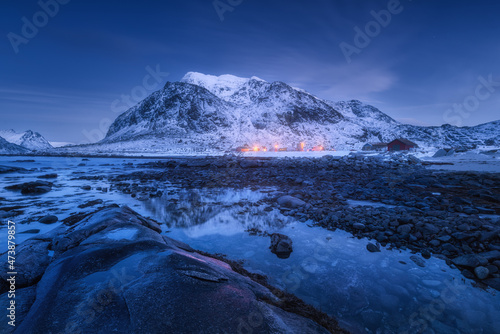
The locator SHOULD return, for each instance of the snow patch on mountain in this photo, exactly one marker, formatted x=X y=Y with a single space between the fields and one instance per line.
x=9 y=148
x=222 y=86
x=28 y=139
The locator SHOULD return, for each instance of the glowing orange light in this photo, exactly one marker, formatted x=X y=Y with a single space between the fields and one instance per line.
x=264 y=149
x=255 y=148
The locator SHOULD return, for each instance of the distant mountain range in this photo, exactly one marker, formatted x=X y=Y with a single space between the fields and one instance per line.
x=31 y=140
x=204 y=113
x=220 y=113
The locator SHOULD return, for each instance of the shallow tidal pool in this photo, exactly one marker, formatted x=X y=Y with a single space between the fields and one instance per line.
x=367 y=292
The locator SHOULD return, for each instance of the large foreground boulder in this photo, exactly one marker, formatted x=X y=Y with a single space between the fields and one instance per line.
x=113 y=272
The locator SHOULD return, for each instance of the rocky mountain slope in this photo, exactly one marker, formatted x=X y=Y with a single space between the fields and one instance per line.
x=9 y=148
x=203 y=112
x=28 y=139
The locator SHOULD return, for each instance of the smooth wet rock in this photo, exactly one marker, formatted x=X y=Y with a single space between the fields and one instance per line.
x=372 y=248
x=493 y=282
x=481 y=272
x=288 y=201
x=90 y=203
x=49 y=219
x=404 y=229
x=418 y=261
x=48 y=176
x=25 y=297
x=491 y=255
x=469 y=261
x=430 y=228
x=249 y=163
x=31 y=261
x=281 y=245
x=425 y=254
x=9 y=169
x=32 y=231
x=359 y=226
x=32 y=188
x=468 y=274
x=113 y=280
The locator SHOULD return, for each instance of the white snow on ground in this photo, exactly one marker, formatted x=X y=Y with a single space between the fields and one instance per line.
x=295 y=154
x=469 y=161
x=60 y=143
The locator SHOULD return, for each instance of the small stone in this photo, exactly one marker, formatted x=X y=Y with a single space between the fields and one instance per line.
x=48 y=176
x=481 y=272
x=290 y=202
x=492 y=269
x=469 y=261
x=434 y=243
x=418 y=261
x=444 y=238
x=450 y=248
x=463 y=227
x=404 y=229
x=35 y=231
x=431 y=283
x=372 y=248
x=49 y=219
x=358 y=226
x=467 y=274
x=426 y=254
x=281 y=245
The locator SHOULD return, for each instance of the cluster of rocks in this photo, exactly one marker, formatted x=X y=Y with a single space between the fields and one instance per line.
x=113 y=271
x=427 y=211
x=32 y=188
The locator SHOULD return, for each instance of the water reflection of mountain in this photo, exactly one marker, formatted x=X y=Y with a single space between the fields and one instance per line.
x=238 y=210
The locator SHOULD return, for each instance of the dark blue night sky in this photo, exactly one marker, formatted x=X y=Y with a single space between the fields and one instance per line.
x=431 y=55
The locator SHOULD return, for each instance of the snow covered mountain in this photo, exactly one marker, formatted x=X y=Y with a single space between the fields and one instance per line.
x=224 y=112
x=28 y=139
x=204 y=112
x=9 y=148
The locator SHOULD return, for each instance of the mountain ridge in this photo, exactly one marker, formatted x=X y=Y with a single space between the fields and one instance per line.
x=27 y=139
x=227 y=111
x=205 y=112
x=11 y=149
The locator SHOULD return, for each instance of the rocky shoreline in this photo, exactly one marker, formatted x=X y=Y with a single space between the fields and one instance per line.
x=450 y=215
x=113 y=271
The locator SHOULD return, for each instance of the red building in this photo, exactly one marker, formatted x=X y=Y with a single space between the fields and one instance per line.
x=401 y=144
